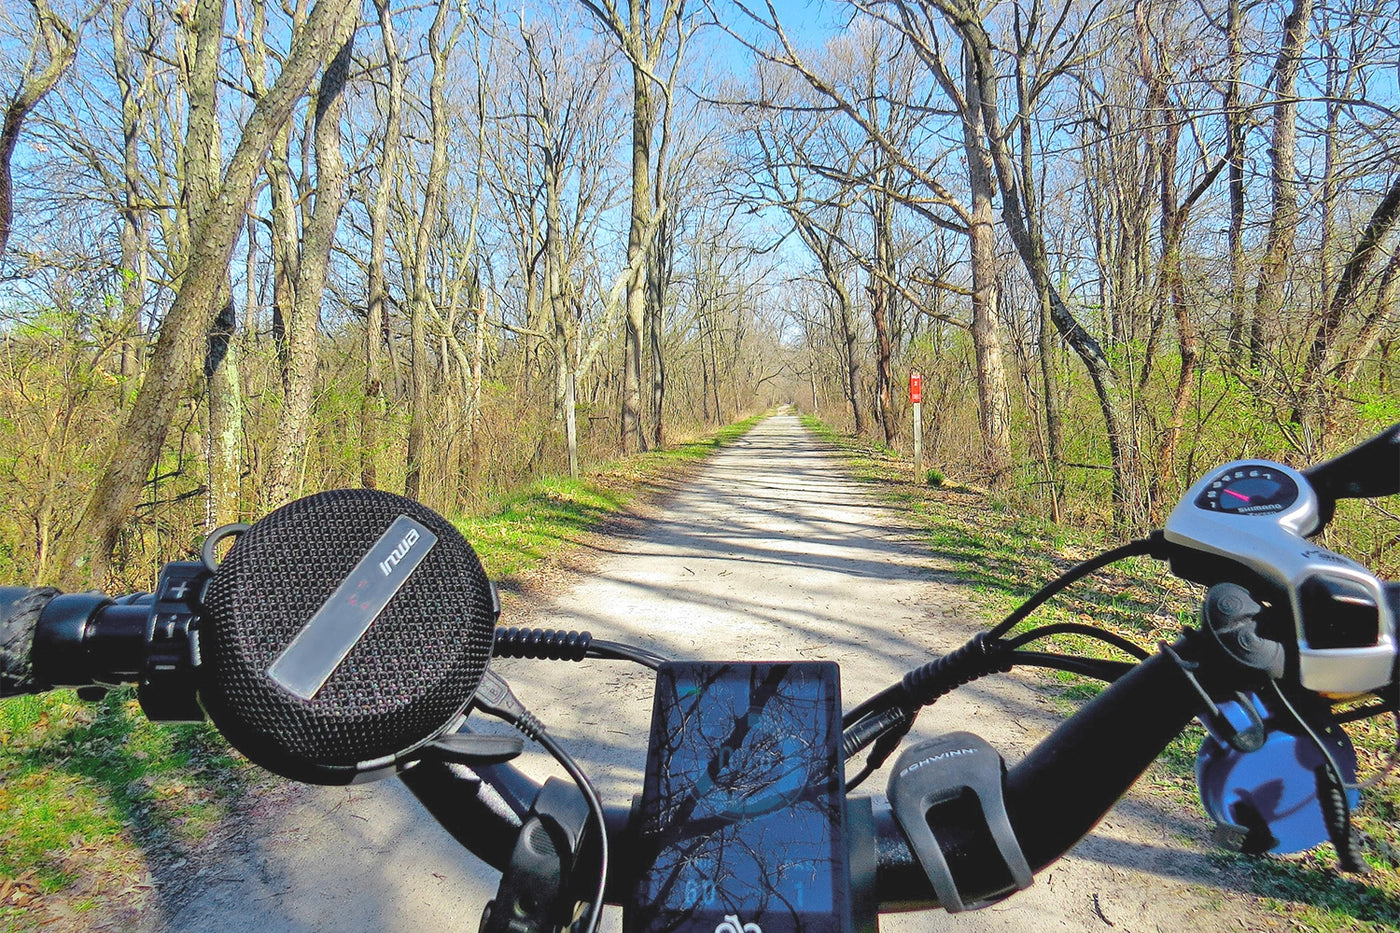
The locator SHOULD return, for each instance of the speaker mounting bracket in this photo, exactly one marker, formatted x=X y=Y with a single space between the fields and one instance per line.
x=473 y=748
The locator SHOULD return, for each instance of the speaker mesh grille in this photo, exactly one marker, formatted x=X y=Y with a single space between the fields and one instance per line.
x=407 y=678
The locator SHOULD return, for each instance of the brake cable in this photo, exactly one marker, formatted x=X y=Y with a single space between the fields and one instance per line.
x=885 y=718
x=494 y=696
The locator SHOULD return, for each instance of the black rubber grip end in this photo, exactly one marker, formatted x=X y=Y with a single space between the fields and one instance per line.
x=20 y=607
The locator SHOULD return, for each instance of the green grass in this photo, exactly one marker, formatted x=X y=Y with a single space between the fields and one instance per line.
x=528 y=526
x=981 y=541
x=94 y=793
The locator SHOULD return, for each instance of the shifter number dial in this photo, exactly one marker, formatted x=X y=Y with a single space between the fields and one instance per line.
x=1248 y=489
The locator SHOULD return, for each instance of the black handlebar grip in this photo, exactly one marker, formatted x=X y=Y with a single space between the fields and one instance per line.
x=1058 y=792
x=19 y=615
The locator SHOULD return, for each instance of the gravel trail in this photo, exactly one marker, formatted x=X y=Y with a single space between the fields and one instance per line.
x=771 y=551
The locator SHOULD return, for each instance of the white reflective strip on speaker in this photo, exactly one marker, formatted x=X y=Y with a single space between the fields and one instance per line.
x=305 y=665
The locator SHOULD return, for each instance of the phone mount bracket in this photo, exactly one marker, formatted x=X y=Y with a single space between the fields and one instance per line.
x=534 y=896
x=962 y=773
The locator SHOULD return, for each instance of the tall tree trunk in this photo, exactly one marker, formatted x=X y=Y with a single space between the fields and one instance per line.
x=992 y=395
x=225 y=438
x=714 y=371
x=422 y=302
x=376 y=305
x=1283 y=176
x=87 y=553
x=1045 y=343
x=881 y=277
x=1163 y=139
x=303 y=325
x=478 y=370
x=283 y=235
x=658 y=281
x=701 y=314
x=1030 y=246
x=203 y=155
x=1235 y=120
x=133 y=240
x=642 y=31
x=822 y=245
x=638 y=246
x=561 y=315
x=845 y=321
x=1054 y=430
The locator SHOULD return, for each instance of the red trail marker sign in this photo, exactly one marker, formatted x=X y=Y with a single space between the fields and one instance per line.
x=916 y=397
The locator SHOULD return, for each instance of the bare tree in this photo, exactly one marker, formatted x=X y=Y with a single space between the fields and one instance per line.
x=1283 y=177
x=376 y=305
x=647 y=35
x=87 y=553
x=317 y=238
x=440 y=49
x=60 y=44
x=919 y=20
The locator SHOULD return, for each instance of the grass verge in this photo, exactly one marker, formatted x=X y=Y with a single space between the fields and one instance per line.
x=94 y=800
x=98 y=806
x=1004 y=555
x=516 y=532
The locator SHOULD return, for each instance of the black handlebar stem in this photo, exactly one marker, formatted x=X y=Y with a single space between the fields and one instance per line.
x=86 y=638
x=1061 y=790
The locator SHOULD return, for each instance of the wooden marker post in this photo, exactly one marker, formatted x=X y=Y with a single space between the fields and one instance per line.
x=916 y=398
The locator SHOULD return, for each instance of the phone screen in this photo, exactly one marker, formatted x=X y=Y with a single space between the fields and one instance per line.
x=743 y=802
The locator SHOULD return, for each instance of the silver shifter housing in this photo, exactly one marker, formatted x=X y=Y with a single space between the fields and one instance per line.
x=1255 y=514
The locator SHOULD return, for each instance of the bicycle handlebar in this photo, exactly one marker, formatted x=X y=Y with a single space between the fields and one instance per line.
x=1052 y=797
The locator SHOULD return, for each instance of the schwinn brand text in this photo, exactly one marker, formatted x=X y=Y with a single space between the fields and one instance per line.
x=935 y=759
x=397 y=554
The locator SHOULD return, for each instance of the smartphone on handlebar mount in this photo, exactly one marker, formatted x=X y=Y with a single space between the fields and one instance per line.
x=742 y=808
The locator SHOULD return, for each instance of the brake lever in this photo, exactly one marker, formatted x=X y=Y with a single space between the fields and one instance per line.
x=476 y=748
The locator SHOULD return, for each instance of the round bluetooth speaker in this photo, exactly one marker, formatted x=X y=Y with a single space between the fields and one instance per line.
x=343 y=633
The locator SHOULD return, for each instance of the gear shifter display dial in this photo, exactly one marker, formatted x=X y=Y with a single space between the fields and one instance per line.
x=1248 y=489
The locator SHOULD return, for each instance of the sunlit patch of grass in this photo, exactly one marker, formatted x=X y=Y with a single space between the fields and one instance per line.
x=529 y=525
x=517 y=532
x=88 y=790
x=1307 y=889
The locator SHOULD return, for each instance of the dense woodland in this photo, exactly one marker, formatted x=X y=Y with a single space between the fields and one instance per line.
x=249 y=250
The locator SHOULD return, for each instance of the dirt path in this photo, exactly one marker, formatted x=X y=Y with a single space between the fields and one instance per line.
x=771 y=552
